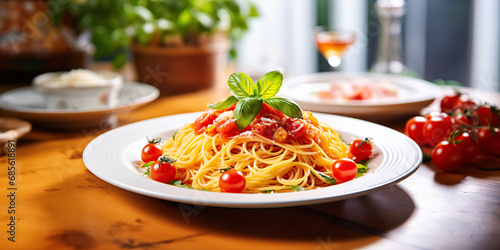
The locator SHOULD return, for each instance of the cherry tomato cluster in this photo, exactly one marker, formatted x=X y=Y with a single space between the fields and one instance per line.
x=161 y=167
x=461 y=132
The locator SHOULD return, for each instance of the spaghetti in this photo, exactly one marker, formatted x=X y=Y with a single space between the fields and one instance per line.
x=268 y=165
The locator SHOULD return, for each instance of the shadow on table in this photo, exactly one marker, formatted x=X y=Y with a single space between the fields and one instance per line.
x=95 y=210
x=370 y=215
x=484 y=168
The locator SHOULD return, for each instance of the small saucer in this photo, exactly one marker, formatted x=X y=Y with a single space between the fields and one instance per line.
x=28 y=104
x=11 y=130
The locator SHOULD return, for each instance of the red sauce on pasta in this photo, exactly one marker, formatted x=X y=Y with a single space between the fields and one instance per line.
x=270 y=123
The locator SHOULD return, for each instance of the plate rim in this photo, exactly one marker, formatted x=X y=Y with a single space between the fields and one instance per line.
x=151 y=188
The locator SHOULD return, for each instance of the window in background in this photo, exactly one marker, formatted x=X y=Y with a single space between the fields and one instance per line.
x=280 y=39
x=485 y=59
x=351 y=15
x=448 y=40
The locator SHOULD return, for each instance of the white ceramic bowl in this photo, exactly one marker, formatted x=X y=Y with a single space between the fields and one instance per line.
x=61 y=93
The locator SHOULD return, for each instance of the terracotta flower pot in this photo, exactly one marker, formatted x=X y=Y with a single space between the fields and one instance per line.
x=177 y=70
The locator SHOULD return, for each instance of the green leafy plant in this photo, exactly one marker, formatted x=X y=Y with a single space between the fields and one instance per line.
x=115 y=24
x=249 y=97
x=106 y=21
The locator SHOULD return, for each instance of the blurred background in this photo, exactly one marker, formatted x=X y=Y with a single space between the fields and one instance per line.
x=441 y=39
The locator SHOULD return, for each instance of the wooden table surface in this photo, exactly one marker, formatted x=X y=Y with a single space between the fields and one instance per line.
x=59 y=204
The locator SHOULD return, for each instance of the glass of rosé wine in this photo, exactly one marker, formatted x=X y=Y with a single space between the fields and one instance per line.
x=332 y=43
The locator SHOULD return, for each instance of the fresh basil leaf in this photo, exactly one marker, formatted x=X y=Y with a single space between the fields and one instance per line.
x=326 y=177
x=361 y=170
x=173 y=136
x=230 y=101
x=364 y=162
x=246 y=109
x=148 y=172
x=268 y=191
x=297 y=188
x=269 y=84
x=178 y=183
x=241 y=85
x=285 y=105
x=148 y=164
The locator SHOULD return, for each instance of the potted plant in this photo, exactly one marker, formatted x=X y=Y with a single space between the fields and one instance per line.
x=177 y=45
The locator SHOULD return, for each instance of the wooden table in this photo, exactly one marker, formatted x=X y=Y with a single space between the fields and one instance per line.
x=59 y=204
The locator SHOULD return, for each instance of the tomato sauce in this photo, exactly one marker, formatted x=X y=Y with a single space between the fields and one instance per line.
x=270 y=123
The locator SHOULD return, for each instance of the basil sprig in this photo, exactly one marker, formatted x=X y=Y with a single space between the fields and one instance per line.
x=249 y=97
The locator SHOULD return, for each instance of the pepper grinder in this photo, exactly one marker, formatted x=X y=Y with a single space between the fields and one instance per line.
x=389 y=57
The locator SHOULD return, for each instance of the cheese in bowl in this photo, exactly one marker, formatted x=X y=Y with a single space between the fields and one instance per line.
x=79 y=89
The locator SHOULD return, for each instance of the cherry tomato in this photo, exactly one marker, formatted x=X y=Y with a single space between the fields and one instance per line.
x=433 y=113
x=437 y=128
x=152 y=151
x=266 y=128
x=202 y=122
x=414 y=129
x=449 y=102
x=226 y=126
x=489 y=140
x=463 y=105
x=488 y=116
x=295 y=128
x=232 y=181
x=163 y=170
x=436 y=114
x=361 y=149
x=344 y=170
x=446 y=156
x=270 y=112
x=469 y=147
x=464 y=119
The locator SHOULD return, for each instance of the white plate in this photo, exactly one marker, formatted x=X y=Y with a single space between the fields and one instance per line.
x=28 y=104
x=111 y=157
x=414 y=94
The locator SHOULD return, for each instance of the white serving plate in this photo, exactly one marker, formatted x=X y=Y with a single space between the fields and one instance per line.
x=112 y=157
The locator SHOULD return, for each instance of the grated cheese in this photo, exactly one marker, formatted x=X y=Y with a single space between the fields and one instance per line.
x=77 y=78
